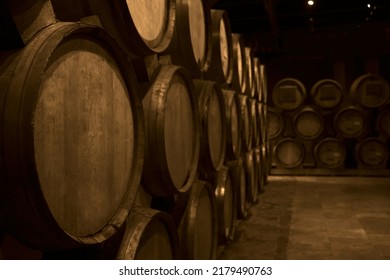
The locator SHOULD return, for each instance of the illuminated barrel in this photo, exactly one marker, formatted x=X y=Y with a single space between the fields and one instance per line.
x=239 y=63
x=73 y=142
x=288 y=94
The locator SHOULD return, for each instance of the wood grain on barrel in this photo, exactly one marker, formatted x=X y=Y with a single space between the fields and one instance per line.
x=149 y=235
x=149 y=17
x=173 y=137
x=71 y=126
x=197 y=30
x=225 y=54
x=84 y=138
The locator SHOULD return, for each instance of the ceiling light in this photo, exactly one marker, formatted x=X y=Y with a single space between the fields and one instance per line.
x=369 y=5
x=311 y=3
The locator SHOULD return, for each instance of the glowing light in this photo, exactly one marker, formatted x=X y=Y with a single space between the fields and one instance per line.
x=369 y=5
x=311 y=3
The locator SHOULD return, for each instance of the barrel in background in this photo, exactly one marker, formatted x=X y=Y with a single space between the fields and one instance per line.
x=172 y=128
x=330 y=153
x=289 y=153
x=239 y=64
x=308 y=123
x=350 y=122
x=74 y=137
x=288 y=94
x=372 y=153
x=370 y=90
x=327 y=94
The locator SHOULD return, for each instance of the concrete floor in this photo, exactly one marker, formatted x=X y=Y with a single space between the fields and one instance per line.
x=317 y=218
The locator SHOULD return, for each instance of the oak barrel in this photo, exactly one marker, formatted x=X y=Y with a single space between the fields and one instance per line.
x=221 y=60
x=330 y=153
x=327 y=94
x=253 y=120
x=350 y=122
x=73 y=138
x=370 y=90
x=239 y=182
x=275 y=124
x=251 y=175
x=260 y=170
x=233 y=131
x=226 y=204
x=172 y=129
x=372 y=153
x=239 y=63
x=257 y=80
x=249 y=89
x=245 y=124
x=198 y=230
x=289 y=153
x=213 y=125
x=191 y=41
x=142 y=27
x=263 y=95
x=288 y=94
x=308 y=123
x=149 y=235
x=383 y=123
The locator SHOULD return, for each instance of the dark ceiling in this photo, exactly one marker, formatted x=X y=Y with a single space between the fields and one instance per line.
x=252 y=16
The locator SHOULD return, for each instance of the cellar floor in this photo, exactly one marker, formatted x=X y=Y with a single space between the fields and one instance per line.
x=316 y=218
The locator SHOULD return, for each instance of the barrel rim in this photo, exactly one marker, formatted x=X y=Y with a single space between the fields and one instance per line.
x=298 y=144
x=300 y=85
x=330 y=139
x=343 y=110
x=311 y=110
x=279 y=116
x=317 y=85
x=359 y=146
x=238 y=42
x=357 y=83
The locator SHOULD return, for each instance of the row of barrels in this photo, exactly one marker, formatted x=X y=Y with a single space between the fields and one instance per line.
x=91 y=147
x=334 y=129
x=332 y=153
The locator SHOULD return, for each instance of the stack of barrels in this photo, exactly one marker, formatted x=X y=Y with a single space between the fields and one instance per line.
x=331 y=128
x=130 y=129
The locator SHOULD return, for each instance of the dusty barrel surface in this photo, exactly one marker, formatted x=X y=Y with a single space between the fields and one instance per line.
x=198 y=230
x=372 y=153
x=221 y=60
x=330 y=153
x=213 y=125
x=143 y=27
x=289 y=94
x=350 y=122
x=289 y=153
x=239 y=63
x=149 y=235
x=226 y=205
x=327 y=94
x=239 y=182
x=370 y=90
x=233 y=142
x=308 y=123
x=172 y=130
x=73 y=138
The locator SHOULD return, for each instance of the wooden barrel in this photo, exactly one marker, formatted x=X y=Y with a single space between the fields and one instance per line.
x=226 y=204
x=251 y=176
x=28 y=18
x=383 y=123
x=275 y=124
x=260 y=170
x=252 y=108
x=257 y=79
x=73 y=139
x=233 y=141
x=370 y=90
x=239 y=183
x=213 y=125
x=198 y=229
x=149 y=235
x=263 y=85
x=221 y=61
x=308 y=123
x=239 y=63
x=191 y=41
x=372 y=153
x=330 y=153
x=289 y=153
x=246 y=130
x=172 y=130
x=288 y=94
x=350 y=122
x=142 y=27
x=327 y=94
x=249 y=90
x=260 y=123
